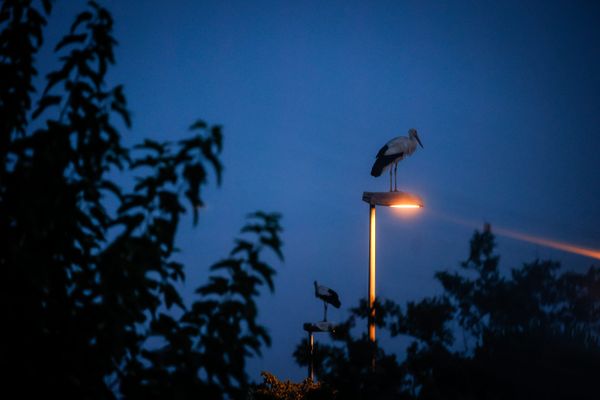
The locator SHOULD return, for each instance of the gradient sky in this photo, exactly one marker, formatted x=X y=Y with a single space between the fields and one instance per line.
x=505 y=96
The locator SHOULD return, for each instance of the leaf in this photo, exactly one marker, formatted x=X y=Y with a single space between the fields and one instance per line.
x=217 y=285
x=44 y=103
x=255 y=228
x=217 y=137
x=150 y=144
x=131 y=222
x=229 y=263
x=274 y=244
x=47 y=6
x=199 y=124
x=266 y=272
x=242 y=245
x=70 y=39
x=131 y=201
x=123 y=112
x=111 y=187
x=82 y=17
x=205 y=307
x=171 y=296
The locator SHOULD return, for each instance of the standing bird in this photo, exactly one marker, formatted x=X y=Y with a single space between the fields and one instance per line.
x=328 y=296
x=394 y=151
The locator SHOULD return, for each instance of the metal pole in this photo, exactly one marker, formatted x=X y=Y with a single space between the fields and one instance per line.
x=311 y=352
x=371 y=273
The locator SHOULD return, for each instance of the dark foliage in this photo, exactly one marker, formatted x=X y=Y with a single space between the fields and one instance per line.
x=348 y=367
x=89 y=275
x=274 y=389
x=533 y=334
x=206 y=348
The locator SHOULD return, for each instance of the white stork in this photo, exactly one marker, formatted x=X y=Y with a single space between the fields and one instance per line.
x=394 y=151
x=328 y=296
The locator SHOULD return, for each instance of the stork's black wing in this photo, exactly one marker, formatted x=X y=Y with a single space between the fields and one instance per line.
x=334 y=299
x=382 y=151
x=382 y=162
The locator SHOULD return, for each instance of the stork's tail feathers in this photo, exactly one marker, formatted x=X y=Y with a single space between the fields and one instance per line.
x=381 y=163
x=378 y=166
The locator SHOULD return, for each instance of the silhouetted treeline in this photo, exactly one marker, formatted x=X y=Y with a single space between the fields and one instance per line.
x=88 y=273
x=533 y=334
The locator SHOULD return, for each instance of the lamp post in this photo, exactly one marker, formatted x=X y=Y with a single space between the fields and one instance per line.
x=388 y=199
x=311 y=328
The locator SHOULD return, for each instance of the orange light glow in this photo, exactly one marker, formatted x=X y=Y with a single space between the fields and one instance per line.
x=568 y=247
x=554 y=244
x=406 y=211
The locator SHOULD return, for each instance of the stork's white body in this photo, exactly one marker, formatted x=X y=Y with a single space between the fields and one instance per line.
x=393 y=152
x=399 y=147
x=327 y=295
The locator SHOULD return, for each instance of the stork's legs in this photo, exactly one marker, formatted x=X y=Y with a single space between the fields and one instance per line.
x=396 y=177
x=325 y=311
x=391 y=171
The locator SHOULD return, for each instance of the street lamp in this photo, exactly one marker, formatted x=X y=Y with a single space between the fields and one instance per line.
x=311 y=328
x=388 y=199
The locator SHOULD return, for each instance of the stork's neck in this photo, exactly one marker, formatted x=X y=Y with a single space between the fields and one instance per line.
x=412 y=145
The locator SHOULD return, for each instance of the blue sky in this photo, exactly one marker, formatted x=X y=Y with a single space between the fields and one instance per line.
x=505 y=96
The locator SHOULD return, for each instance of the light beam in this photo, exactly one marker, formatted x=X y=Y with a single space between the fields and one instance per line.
x=554 y=244
x=568 y=247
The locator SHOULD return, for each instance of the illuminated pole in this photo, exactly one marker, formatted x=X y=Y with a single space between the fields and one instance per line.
x=389 y=199
x=311 y=328
x=311 y=353
x=372 y=246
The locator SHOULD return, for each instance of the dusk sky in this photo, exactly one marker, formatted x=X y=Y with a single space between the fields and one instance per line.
x=505 y=96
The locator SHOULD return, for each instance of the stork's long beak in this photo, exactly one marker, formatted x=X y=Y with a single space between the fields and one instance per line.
x=419 y=140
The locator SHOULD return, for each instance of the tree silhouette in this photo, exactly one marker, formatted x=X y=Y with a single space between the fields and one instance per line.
x=87 y=259
x=533 y=333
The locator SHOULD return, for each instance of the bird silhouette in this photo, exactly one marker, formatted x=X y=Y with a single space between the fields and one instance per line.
x=328 y=296
x=393 y=152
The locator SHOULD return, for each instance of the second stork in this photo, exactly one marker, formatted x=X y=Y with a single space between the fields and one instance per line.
x=328 y=296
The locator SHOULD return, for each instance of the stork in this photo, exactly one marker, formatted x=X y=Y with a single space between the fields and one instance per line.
x=328 y=296
x=393 y=152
